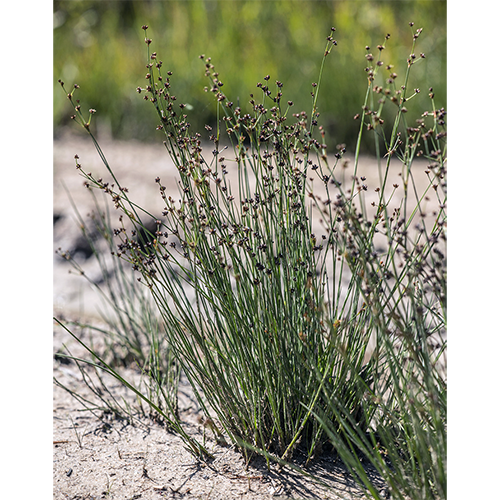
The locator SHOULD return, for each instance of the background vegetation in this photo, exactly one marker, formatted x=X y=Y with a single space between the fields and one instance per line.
x=97 y=45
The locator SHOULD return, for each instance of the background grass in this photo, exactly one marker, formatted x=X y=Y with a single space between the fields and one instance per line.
x=96 y=44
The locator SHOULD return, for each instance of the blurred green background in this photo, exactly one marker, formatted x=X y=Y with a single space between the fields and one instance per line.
x=100 y=45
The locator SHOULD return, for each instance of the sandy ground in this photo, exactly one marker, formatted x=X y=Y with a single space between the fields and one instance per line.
x=99 y=458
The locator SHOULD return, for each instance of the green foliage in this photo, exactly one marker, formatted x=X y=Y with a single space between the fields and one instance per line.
x=302 y=315
x=96 y=45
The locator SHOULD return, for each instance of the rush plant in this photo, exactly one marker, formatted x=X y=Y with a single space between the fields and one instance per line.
x=301 y=314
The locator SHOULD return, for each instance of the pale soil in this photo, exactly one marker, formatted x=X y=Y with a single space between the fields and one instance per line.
x=106 y=459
